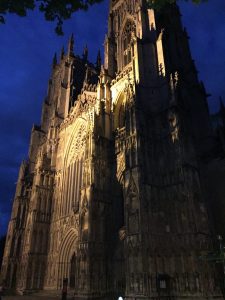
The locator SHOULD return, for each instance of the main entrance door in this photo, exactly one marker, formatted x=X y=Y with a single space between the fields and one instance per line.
x=72 y=271
x=67 y=259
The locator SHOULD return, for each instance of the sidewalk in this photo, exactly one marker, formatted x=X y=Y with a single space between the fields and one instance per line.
x=33 y=297
x=30 y=297
x=45 y=296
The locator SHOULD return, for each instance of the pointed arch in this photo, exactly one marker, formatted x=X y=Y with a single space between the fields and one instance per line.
x=73 y=168
x=68 y=250
x=119 y=111
x=129 y=19
x=127 y=32
x=75 y=145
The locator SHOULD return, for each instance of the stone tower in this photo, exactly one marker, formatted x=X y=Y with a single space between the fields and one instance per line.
x=112 y=195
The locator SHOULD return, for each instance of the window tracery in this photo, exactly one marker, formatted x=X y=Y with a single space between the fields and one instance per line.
x=129 y=30
x=73 y=173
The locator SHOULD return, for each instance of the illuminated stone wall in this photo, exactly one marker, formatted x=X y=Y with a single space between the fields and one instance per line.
x=111 y=197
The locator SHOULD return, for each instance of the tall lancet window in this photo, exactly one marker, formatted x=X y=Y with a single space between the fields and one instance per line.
x=126 y=42
x=73 y=171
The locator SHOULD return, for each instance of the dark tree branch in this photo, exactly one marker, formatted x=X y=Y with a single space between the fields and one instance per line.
x=60 y=10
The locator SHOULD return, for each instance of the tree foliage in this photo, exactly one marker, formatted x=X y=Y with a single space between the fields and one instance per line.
x=60 y=10
x=158 y=4
x=53 y=10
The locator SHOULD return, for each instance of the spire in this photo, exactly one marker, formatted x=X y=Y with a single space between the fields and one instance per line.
x=71 y=45
x=87 y=74
x=62 y=53
x=98 y=60
x=85 y=53
x=54 y=61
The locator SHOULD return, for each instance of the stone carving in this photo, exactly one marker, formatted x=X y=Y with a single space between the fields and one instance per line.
x=86 y=102
x=132 y=196
x=78 y=144
x=120 y=166
x=173 y=125
x=132 y=207
x=105 y=199
x=129 y=91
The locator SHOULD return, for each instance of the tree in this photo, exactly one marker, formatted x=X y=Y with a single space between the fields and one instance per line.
x=158 y=4
x=60 y=10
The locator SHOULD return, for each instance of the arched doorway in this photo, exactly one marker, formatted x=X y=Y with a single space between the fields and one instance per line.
x=67 y=266
x=73 y=268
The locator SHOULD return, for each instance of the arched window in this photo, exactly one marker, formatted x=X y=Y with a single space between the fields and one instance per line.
x=121 y=116
x=126 y=42
x=72 y=178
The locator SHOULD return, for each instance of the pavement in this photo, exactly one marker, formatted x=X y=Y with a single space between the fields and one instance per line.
x=36 y=297
x=33 y=297
x=30 y=297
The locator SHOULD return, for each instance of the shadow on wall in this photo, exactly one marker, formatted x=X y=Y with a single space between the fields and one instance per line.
x=2 y=246
x=216 y=190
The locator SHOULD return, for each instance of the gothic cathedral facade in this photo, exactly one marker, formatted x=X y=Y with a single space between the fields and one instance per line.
x=112 y=195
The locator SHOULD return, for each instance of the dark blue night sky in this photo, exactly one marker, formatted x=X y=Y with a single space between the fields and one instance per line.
x=27 y=46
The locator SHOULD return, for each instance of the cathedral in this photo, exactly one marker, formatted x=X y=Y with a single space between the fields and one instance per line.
x=114 y=198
